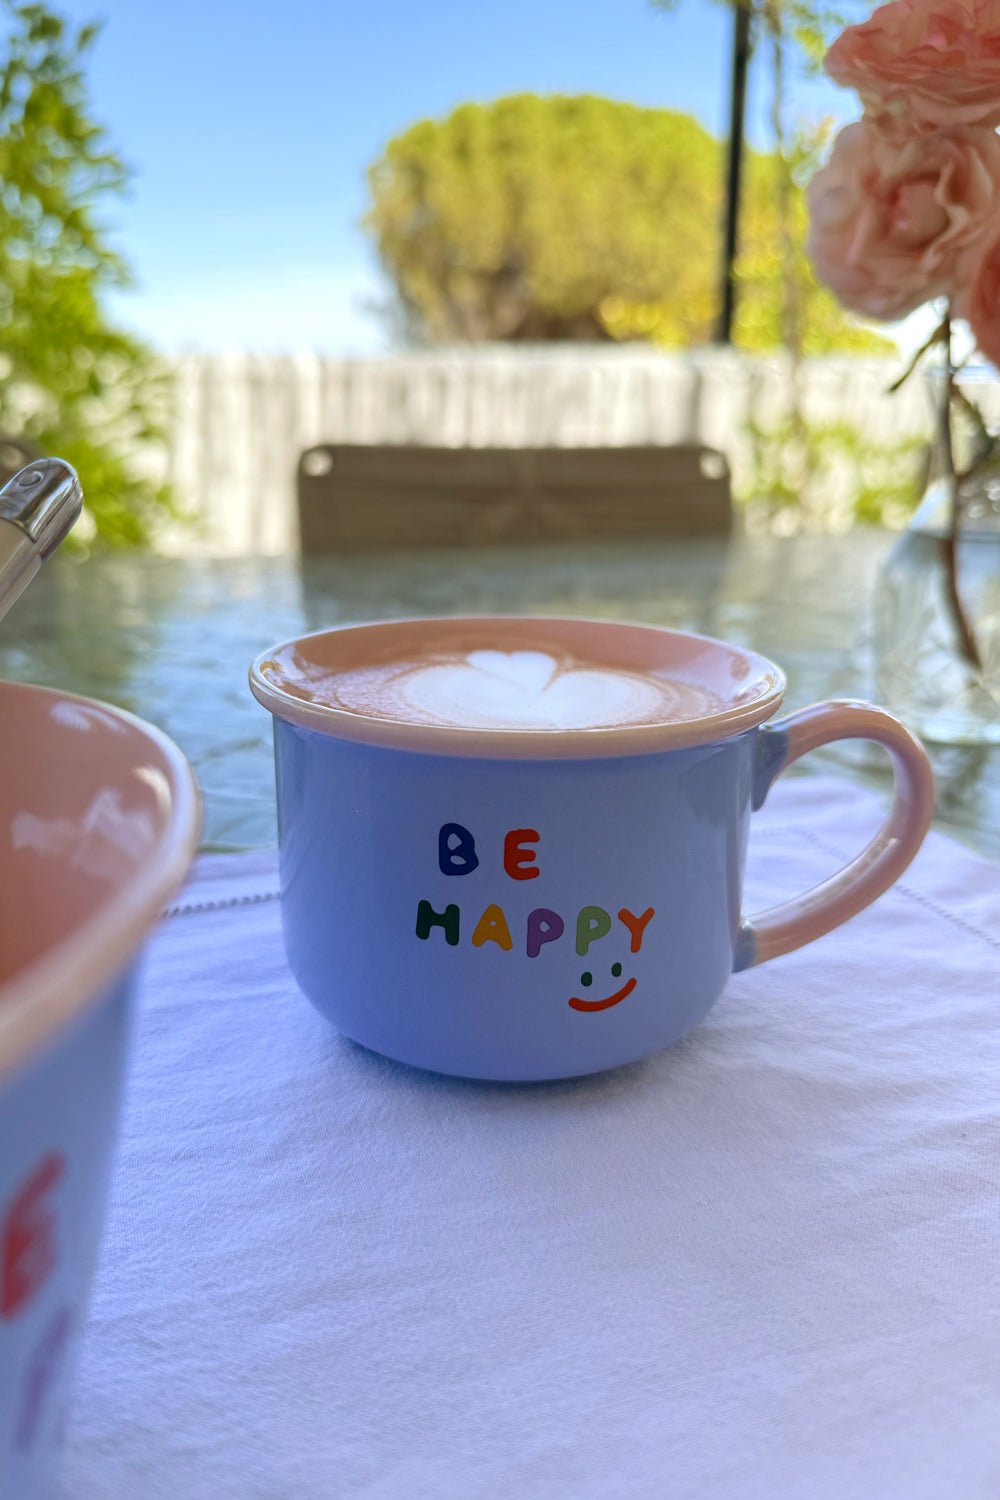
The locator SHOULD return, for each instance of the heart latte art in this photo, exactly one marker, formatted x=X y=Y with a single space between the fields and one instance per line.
x=529 y=689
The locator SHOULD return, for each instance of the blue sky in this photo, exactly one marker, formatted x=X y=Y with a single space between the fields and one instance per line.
x=250 y=126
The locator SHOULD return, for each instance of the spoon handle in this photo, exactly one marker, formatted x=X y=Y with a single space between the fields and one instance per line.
x=38 y=507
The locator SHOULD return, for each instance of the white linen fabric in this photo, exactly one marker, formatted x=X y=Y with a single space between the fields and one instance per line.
x=765 y=1263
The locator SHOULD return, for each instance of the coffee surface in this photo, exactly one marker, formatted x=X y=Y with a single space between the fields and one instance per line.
x=511 y=689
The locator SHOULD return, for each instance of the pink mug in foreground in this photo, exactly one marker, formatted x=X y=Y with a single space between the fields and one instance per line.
x=99 y=819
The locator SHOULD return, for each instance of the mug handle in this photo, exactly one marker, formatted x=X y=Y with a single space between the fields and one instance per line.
x=857 y=885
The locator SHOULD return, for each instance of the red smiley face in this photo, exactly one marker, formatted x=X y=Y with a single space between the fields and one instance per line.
x=587 y=979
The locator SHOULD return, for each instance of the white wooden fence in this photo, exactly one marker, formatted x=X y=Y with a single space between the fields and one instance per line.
x=241 y=421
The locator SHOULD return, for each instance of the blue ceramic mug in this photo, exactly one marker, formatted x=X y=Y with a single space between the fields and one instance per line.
x=541 y=898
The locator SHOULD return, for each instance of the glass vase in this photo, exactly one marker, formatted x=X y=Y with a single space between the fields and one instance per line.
x=921 y=672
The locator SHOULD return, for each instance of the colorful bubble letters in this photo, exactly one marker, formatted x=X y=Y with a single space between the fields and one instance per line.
x=458 y=857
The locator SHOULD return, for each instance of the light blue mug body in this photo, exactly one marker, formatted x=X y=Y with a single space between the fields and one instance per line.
x=523 y=904
x=58 y=1121
x=406 y=927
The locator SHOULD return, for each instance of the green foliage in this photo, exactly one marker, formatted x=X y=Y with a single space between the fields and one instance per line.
x=520 y=219
x=763 y=274
x=553 y=217
x=809 y=27
x=68 y=380
x=823 y=476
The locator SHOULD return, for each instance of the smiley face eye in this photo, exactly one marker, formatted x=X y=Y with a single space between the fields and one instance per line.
x=616 y=970
x=587 y=979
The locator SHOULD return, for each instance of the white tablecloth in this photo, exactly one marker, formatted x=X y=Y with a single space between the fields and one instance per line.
x=763 y=1264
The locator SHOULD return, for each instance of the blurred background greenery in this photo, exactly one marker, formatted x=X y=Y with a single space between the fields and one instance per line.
x=551 y=218
x=70 y=381
x=532 y=219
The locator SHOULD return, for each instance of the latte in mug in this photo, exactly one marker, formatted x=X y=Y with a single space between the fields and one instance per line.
x=491 y=687
x=492 y=675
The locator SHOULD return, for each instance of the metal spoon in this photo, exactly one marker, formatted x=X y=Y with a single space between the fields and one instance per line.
x=38 y=509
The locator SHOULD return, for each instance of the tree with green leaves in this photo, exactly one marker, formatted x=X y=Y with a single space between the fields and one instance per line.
x=790 y=34
x=70 y=382
x=553 y=217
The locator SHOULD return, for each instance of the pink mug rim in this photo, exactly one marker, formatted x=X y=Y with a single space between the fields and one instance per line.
x=339 y=723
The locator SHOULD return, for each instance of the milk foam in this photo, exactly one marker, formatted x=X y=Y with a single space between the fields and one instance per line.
x=530 y=689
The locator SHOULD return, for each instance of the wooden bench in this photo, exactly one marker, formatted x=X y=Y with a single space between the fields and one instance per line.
x=352 y=497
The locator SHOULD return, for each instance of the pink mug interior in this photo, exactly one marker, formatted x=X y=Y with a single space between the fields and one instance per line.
x=99 y=820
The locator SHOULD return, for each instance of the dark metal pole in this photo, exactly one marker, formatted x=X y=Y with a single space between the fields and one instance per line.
x=734 y=167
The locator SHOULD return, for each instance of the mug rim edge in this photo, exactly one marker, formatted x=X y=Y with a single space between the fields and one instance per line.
x=463 y=742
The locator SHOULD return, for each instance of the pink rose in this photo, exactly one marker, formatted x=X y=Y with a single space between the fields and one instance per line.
x=895 y=222
x=929 y=62
x=984 y=303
